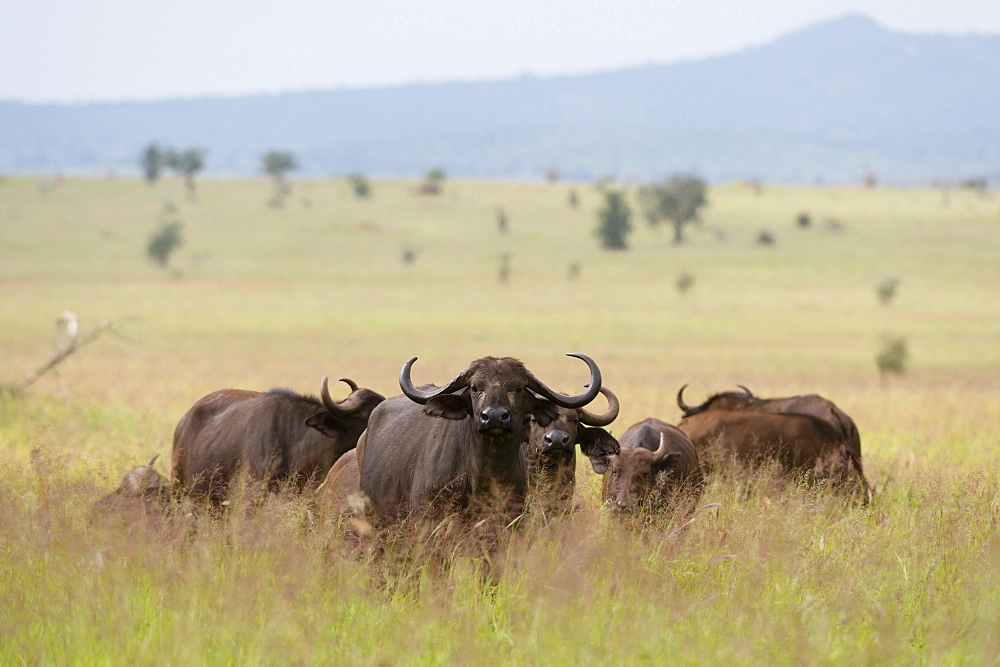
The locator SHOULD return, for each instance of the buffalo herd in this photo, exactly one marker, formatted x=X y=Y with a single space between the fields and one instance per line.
x=495 y=438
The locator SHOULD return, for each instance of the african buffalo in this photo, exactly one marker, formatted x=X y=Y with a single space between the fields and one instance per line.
x=804 y=433
x=341 y=490
x=460 y=444
x=657 y=462
x=143 y=482
x=273 y=436
x=550 y=451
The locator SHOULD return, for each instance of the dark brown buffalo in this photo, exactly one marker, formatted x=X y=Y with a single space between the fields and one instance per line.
x=460 y=444
x=656 y=464
x=550 y=451
x=804 y=433
x=142 y=482
x=273 y=436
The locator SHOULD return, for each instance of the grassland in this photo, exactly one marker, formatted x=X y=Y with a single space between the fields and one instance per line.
x=258 y=297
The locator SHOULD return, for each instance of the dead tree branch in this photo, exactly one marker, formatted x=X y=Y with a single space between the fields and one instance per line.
x=76 y=342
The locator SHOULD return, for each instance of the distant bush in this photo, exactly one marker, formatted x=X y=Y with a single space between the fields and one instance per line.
x=803 y=220
x=503 y=273
x=573 y=199
x=685 y=281
x=151 y=163
x=501 y=220
x=886 y=290
x=614 y=221
x=892 y=358
x=277 y=164
x=433 y=181
x=360 y=186
x=977 y=184
x=164 y=242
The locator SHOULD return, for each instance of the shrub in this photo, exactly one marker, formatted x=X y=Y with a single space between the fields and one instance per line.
x=164 y=242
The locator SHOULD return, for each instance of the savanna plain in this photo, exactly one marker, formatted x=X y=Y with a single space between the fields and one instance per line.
x=763 y=572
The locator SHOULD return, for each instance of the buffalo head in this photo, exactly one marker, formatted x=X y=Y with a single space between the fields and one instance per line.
x=330 y=422
x=140 y=482
x=551 y=441
x=500 y=394
x=632 y=475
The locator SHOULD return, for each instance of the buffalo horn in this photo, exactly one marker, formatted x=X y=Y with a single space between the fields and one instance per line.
x=685 y=408
x=420 y=396
x=746 y=391
x=580 y=400
x=347 y=406
x=590 y=419
x=153 y=460
x=661 y=451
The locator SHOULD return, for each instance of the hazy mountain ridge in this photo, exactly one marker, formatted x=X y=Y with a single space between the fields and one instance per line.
x=813 y=105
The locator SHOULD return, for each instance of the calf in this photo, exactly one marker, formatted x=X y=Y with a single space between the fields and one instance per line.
x=656 y=463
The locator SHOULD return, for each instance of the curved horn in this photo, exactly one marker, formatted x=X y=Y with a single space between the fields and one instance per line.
x=590 y=419
x=685 y=408
x=580 y=400
x=661 y=451
x=153 y=460
x=746 y=391
x=345 y=407
x=419 y=396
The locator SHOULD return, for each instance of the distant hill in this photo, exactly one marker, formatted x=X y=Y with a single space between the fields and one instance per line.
x=813 y=106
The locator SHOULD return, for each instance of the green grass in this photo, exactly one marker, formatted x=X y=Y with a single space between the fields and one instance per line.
x=259 y=297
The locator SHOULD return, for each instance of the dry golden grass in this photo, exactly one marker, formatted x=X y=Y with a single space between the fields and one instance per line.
x=770 y=572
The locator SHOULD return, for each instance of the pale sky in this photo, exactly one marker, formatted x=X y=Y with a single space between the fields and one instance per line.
x=110 y=50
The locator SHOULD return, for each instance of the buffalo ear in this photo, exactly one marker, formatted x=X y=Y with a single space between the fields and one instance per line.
x=670 y=461
x=599 y=464
x=544 y=412
x=596 y=442
x=326 y=423
x=449 y=406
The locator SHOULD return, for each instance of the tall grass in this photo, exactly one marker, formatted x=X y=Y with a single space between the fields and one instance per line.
x=764 y=571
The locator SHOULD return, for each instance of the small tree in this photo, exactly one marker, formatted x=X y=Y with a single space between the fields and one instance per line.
x=164 y=242
x=679 y=200
x=614 y=221
x=359 y=183
x=501 y=220
x=685 y=281
x=151 y=163
x=892 y=358
x=803 y=221
x=276 y=165
x=503 y=273
x=433 y=180
x=886 y=290
x=188 y=163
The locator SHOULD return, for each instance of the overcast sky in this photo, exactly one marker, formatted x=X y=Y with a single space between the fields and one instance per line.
x=104 y=50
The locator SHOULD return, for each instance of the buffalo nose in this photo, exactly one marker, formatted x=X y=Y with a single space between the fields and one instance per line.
x=621 y=505
x=495 y=417
x=556 y=439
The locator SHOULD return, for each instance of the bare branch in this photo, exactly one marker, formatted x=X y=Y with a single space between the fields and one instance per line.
x=76 y=342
